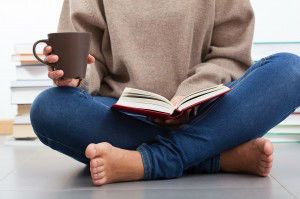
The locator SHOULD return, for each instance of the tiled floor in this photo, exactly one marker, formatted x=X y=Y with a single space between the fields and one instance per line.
x=34 y=171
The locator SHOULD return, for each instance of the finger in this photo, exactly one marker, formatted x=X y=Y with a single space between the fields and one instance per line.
x=51 y=58
x=158 y=121
x=47 y=50
x=90 y=59
x=63 y=82
x=179 y=120
x=173 y=121
x=55 y=74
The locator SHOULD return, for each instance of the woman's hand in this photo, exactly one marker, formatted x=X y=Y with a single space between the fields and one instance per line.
x=174 y=122
x=56 y=75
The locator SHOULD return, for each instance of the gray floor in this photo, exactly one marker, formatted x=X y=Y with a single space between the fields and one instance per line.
x=34 y=171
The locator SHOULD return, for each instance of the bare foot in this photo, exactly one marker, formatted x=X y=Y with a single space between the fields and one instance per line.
x=110 y=164
x=254 y=157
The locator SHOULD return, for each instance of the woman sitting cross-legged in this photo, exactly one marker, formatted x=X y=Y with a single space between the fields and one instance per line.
x=172 y=48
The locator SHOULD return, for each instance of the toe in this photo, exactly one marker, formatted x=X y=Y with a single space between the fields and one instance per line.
x=91 y=151
x=267 y=159
x=264 y=170
x=265 y=164
x=97 y=169
x=268 y=148
x=98 y=176
x=103 y=148
x=265 y=173
x=96 y=162
x=100 y=182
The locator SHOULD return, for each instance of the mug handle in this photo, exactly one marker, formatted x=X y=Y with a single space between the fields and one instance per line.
x=34 y=52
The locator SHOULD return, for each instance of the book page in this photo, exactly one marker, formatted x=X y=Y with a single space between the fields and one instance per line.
x=202 y=98
x=149 y=104
x=200 y=93
x=140 y=99
x=132 y=91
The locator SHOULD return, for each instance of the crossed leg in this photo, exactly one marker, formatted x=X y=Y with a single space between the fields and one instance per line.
x=131 y=149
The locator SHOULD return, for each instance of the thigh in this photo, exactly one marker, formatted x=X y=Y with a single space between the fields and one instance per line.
x=73 y=118
x=256 y=103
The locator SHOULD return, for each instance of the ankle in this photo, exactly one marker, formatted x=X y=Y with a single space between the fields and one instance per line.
x=228 y=162
x=139 y=168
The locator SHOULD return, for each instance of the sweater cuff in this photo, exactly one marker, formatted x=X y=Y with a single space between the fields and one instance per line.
x=83 y=84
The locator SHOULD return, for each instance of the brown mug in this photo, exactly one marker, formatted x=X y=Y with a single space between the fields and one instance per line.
x=72 y=48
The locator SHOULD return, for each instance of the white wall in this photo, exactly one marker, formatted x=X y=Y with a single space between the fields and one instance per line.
x=277 y=20
x=23 y=21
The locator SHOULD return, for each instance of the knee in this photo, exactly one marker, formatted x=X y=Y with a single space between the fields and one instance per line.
x=287 y=65
x=47 y=110
x=288 y=61
x=43 y=111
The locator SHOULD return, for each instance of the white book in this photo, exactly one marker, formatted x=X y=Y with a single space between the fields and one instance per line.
x=26 y=59
x=33 y=83
x=24 y=92
x=23 y=131
x=32 y=72
x=265 y=49
x=291 y=120
x=283 y=138
x=297 y=110
x=26 y=48
x=22 y=119
x=285 y=130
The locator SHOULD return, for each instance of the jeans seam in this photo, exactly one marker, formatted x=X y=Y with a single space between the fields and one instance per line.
x=104 y=105
x=85 y=94
x=146 y=160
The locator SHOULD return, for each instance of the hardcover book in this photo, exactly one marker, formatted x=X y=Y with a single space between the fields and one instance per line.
x=154 y=105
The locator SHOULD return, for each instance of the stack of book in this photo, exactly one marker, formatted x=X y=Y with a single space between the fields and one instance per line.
x=289 y=129
x=31 y=79
x=265 y=49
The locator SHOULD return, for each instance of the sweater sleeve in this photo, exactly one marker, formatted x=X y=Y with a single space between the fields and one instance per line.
x=229 y=55
x=86 y=16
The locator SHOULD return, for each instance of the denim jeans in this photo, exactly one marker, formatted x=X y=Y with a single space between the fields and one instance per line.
x=68 y=119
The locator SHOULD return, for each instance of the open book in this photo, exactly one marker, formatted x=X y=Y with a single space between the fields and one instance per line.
x=154 y=105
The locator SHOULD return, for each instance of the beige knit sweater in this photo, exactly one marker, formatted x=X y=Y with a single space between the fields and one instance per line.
x=170 y=47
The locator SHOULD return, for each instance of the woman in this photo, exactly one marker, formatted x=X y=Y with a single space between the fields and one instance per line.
x=171 y=48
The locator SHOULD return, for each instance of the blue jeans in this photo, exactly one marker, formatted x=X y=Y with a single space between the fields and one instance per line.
x=68 y=119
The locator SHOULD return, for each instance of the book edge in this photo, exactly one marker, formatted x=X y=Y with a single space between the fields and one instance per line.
x=205 y=100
